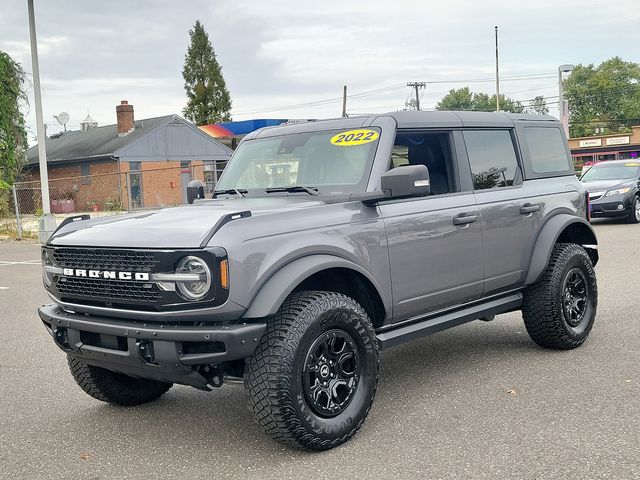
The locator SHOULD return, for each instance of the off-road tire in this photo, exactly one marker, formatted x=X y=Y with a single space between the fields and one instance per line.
x=633 y=216
x=543 y=309
x=116 y=388
x=274 y=374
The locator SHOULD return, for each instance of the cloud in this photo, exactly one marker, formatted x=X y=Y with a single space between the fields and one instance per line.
x=281 y=52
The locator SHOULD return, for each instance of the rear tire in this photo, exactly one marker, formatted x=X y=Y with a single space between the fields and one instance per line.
x=113 y=387
x=313 y=376
x=634 y=214
x=559 y=309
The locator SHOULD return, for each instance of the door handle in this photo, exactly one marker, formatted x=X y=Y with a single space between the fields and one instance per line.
x=464 y=219
x=527 y=208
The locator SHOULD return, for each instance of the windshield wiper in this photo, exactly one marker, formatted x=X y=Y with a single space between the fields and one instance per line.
x=296 y=188
x=231 y=191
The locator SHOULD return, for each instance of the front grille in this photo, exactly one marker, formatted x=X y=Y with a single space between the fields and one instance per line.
x=101 y=259
x=109 y=290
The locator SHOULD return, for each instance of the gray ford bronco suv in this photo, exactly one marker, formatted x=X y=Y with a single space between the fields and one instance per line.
x=325 y=243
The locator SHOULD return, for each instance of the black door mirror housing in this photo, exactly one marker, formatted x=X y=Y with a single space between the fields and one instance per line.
x=407 y=181
x=400 y=182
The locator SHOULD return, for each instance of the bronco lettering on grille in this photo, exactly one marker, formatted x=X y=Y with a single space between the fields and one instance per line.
x=106 y=274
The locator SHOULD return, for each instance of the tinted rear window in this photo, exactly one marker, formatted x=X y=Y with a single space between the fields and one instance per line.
x=547 y=150
x=492 y=158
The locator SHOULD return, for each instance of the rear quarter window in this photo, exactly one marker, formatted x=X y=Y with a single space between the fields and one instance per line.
x=547 y=150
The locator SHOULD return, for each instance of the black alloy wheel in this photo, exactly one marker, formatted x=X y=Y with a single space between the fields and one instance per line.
x=574 y=297
x=331 y=373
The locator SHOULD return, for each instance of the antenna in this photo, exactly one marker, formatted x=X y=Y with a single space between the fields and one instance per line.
x=62 y=118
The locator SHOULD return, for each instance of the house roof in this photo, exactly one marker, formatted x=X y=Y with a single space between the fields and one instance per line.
x=100 y=142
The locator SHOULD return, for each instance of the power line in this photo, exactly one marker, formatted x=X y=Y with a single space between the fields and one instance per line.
x=389 y=88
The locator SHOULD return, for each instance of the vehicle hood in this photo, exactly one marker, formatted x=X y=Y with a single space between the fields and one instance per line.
x=178 y=227
x=602 y=185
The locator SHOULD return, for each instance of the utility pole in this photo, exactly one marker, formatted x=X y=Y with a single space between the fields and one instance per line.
x=344 y=101
x=497 y=73
x=417 y=86
x=48 y=222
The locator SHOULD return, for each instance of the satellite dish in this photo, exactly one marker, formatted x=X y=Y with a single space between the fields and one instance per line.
x=62 y=118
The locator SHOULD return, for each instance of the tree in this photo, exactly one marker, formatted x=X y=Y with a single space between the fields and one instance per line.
x=464 y=99
x=13 y=136
x=604 y=96
x=208 y=100
x=538 y=106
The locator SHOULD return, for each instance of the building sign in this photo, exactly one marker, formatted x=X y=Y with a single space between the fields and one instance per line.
x=617 y=140
x=592 y=142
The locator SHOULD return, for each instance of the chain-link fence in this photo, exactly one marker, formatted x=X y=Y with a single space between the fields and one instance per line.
x=102 y=194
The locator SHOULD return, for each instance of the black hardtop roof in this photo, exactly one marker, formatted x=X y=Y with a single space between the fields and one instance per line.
x=409 y=119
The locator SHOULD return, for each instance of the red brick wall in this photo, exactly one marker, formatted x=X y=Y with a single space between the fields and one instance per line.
x=66 y=182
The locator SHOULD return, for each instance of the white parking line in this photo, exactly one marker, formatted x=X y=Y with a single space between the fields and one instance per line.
x=27 y=262
x=4 y=288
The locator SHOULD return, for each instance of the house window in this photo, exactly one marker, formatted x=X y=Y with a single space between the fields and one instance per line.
x=85 y=173
x=135 y=184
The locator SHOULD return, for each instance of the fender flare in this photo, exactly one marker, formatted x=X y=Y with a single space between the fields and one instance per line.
x=548 y=237
x=277 y=287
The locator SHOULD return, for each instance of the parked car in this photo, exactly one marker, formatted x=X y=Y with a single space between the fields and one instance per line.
x=327 y=242
x=613 y=189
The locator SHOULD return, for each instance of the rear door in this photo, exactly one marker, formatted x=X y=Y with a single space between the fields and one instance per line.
x=435 y=242
x=510 y=218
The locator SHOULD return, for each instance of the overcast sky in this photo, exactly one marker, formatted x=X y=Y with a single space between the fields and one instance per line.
x=277 y=55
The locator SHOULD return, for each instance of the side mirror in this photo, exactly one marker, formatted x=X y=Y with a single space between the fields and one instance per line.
x=407 y=181
x=195 y=189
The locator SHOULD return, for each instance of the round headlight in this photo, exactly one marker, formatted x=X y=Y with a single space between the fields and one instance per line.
x=194 y=289
x=47 y=261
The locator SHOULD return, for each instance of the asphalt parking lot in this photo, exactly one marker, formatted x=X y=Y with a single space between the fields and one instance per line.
x=477 y=401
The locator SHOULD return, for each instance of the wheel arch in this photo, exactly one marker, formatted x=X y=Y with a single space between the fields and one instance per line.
x=320 y=272
x=562 y=228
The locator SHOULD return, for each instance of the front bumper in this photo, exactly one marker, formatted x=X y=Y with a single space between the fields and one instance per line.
x=170 y=353
x=612 y=206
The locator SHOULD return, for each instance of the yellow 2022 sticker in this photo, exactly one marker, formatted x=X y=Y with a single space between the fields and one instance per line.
x=353 y=138
x=632 y=164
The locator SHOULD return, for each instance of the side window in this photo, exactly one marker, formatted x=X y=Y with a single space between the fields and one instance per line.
x=492 y=158
x=430 y=149
x=547 y=150
x=85 y=173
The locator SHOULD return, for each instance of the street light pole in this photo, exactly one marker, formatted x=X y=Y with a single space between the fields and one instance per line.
x=497 y=73
x=562 y=103
x=48 y=221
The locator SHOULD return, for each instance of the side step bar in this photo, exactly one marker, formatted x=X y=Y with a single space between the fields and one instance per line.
x=420 y=328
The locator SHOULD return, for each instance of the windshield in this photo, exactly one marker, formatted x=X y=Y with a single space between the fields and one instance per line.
x=334 y=162
x=616 y=171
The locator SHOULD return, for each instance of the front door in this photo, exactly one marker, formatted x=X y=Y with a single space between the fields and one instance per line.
x=435 y=242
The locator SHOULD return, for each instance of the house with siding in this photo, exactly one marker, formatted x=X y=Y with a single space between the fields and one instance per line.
x=130 y=164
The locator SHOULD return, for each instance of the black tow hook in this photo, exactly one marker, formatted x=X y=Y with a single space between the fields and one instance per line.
x=214 y=376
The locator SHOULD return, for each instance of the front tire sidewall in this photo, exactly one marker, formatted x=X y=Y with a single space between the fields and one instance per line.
x=330 y=429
